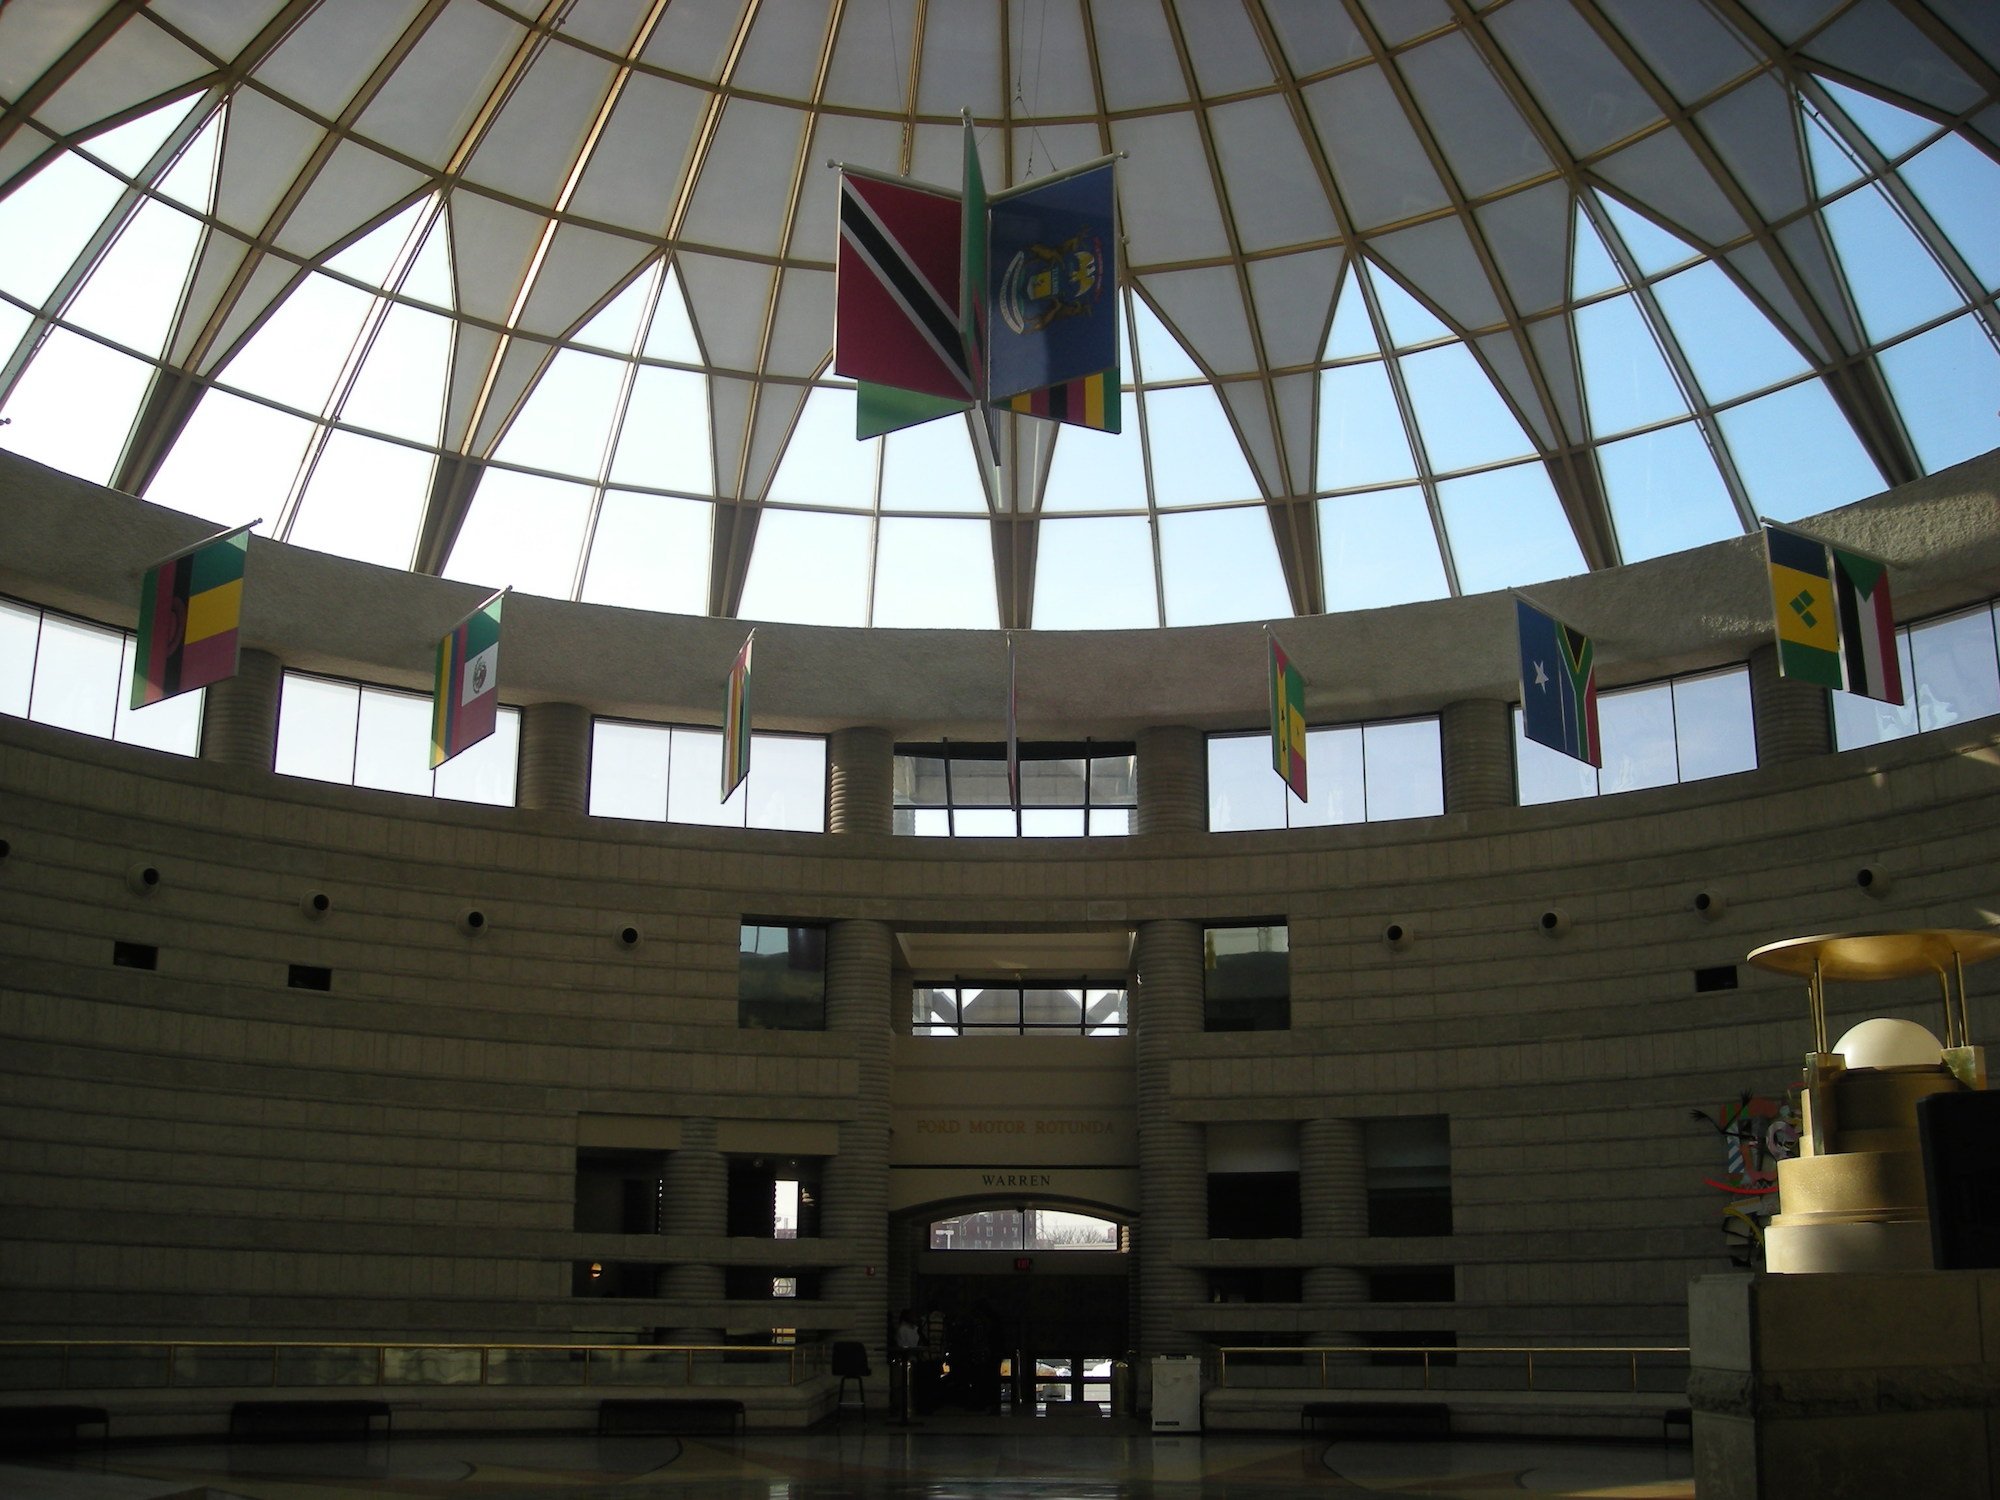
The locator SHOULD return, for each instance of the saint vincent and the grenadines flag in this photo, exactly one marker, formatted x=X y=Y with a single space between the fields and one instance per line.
x=945 y=301
x=465 y=702
x=1836 y=626
x=190 y=608
x=1558 y=685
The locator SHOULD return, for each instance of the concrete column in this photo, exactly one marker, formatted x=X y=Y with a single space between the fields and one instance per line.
x=1173 y=1161
x=1792 y=718
x=697 y=1204
x=1478 y=741
x=1173 y=780
x=855 y=1185
x=1333 y=1201
x=860 y=771
x=239 y=715
x=555 y=757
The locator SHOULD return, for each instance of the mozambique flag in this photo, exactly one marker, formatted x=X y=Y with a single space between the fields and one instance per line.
x=736 y=721
x=1868 y=663
x=465 y=704
x=1558 y=685
x=1288 y=720
x=1090 y=402
x=1803 y=604
x=189 y=610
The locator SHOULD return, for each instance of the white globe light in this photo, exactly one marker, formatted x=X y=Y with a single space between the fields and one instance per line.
x=1887 y=1043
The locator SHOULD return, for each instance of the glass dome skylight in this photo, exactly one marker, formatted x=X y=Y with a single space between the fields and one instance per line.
x=1422 y=299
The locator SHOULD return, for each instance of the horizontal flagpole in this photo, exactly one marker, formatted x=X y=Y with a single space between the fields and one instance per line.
x=477 y=608
x=206 y=541
x=1533 y=603
x=874 y=174
x=1824 y=541
x=1042 y=182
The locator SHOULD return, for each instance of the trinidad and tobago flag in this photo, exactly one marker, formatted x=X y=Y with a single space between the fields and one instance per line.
x=897 y=288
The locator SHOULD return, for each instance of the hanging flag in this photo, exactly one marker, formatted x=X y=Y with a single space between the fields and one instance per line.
x=465 y=702
x=972 y=307
x=1090 y=402
x=736 y=722
x=1558 y=685
x=1051 y=278
x=1868 y=661
x=1803 y=604
x=1013 y=740
x=884 y=408
x=1288 y=719
x=897 y=288
x=189 y=609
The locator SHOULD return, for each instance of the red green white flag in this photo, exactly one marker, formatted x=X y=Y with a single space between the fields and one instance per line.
x=465 y=702
x=1868 y=662
x=190 y=608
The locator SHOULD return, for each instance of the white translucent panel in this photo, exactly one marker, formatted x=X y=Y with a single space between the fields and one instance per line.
x=1196 y=457
x=665 y=442
x=1096 y=470
x=74 y=406
x=1733 y=348
x=1459 y=411
x=400 y=391
x=808 y=569
x=1859 y=721
x=1161 y=356
x=984 y=823
x=671 y=335
x=628 y=770
x=1544 y=775
x=924 y=822
x=1407 y=320
x=1243 y=791
x=1796 y=454
x=1592 y=271
x=235 y=460
x=20 y=629
x=567 y=419
x=1895 y=282
x=931 y=467
x=935 y=574
x=1095 y=573
x=650 y=552
x=1110 y=822
x=77 y=685
x=1405 y=766
x=1636 y=727
x=1052 y=823
x=824 y=464
x=522 y=530
x=1361 y=435
x=14 y=323
x=1507 y=528
x=1834 y=165
x=1947 y=386
x=1714 y=733
x=787 y=787
x=364 y=500
x=1335 y=777
x=1959 y=186
x=373 y=257
x=1953 y=660
x=1379 y=549
x=316 y=720
x=128 y=147
x=1625 y=377
x=1893 y=130
x=1221 y=565
x=392 y=742
x=1653 y=249
x=132 y=293
x=46 y=222
x=616 y=326
x=297 y=355
x=485 y=773
x=172 y=725
x=429 y=277
x=694 y=781
x=1352 y=333
x=1665 y=493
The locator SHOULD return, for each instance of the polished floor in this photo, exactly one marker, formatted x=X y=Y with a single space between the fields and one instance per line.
x=1004 y=1459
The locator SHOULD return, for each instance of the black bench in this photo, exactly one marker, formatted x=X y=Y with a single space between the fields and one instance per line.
x=668 y=1413
x=49 y=1426
x=301 y=1419
x=1411 y=1419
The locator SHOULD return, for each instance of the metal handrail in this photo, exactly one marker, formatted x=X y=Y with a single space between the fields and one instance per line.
x=795 y=1354
x=1528 y=1351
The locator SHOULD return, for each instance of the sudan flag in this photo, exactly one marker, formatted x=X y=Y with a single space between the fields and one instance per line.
x=465 y=703
x=1868 y=663
x=189 y=610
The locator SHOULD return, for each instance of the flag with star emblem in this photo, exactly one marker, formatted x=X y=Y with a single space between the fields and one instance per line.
x=1558 y=685
x=1804 y=606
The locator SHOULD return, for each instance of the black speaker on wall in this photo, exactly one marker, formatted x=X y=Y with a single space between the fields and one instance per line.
x=1961 y=1144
